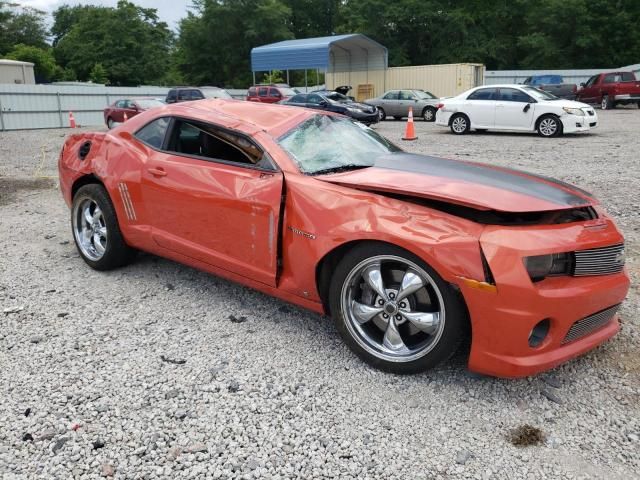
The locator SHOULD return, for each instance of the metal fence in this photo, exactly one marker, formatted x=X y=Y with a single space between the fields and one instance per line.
x=493 y=77
x=48 y=106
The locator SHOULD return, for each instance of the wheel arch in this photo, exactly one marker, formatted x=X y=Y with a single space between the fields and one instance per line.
x=457 y=114
x=547 y=114
x=86 y=180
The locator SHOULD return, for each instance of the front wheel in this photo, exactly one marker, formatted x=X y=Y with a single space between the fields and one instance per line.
x=606 y=103
x=96 y=231
x=460 y=124
x=381 y=114
x=429 y=114
x=110 y=123
x=394 y=311
x=549 y=126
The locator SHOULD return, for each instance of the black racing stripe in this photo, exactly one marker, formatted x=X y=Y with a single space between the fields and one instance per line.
x=477 y=173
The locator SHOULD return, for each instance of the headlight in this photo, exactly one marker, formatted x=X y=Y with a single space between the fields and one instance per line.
x=574 y=111
x=541 y=266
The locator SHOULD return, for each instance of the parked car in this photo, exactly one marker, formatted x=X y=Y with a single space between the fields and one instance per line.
x=187 y=94
x=611 y=89
x=516 y=108
x=270 y=93
x=554 y=84
x=396 y=103
x=335 y=102
x=115 y=113
x=410 y=254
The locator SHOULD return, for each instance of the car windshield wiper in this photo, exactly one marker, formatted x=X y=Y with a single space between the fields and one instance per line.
x=341 y=168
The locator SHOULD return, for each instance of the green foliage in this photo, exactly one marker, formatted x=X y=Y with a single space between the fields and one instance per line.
x=99 y=74
x=45 y=68
x=216 y=38
x=21 y=25
x=130 y=42
x=275 y=76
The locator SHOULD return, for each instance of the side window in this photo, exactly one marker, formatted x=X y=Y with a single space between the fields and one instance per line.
x=252 y=92
x=609 y=78
x=153 y=133
x=298 y=99
x=263 y=91
x=184 y=95
x=120 y=104
x=406 y=95
x=128 y=104
x=274 y=93
x=314 y=99
x=483 y=94
x=208 y=141
x=591 y=81
x=513 y=95
x=171 y=97
x=391 y=95
x=196 y=95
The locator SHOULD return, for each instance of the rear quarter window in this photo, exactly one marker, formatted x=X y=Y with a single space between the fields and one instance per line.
x=153 y=133
x=252 y=92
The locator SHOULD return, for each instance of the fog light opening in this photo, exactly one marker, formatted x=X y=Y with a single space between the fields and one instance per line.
x=539 y=333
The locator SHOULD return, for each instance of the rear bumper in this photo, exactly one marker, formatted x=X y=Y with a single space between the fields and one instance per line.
x=503 y=318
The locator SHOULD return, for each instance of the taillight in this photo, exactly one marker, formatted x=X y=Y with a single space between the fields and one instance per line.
x=440 y=105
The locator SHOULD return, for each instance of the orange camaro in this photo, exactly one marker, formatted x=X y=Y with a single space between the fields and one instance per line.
x=409 y=254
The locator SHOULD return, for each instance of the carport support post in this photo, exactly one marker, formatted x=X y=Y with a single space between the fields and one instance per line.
x=317 y=77
x=288 y=78
x=254 y=77
x=306 y=88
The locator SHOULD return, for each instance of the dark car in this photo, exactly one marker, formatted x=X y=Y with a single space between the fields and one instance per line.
x=335 y=102
x=554 y=84
x=187 y=94
x=125 y=108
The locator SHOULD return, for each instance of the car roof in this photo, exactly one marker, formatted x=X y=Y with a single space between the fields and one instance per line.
x=271 y=118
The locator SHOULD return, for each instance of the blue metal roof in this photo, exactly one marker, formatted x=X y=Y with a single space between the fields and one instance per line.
x=320 y=52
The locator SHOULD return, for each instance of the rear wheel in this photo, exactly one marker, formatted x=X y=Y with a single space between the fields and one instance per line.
x=549 y=126
x=429 y=114
x=96 y=231
x=460 y=124
x=382 y=115
x=394 y=311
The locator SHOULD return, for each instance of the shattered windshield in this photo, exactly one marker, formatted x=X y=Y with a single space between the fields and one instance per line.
x=327 y=143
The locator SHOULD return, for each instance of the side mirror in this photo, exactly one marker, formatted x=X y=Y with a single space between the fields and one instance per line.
x=582 y=84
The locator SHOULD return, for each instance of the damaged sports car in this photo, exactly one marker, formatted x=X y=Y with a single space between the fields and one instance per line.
x=411 y=255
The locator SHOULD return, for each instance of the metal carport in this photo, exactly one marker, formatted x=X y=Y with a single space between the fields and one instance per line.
x=338 y=53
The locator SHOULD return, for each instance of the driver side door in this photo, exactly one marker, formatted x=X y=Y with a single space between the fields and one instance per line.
x=214 y=195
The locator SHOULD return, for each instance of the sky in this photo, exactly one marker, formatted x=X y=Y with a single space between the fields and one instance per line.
x=171 y=11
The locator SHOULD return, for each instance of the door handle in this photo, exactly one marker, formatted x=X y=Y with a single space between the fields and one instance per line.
x=157 y=172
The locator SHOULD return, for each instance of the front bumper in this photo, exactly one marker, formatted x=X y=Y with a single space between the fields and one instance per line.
x=578 y=123
x=503 y=318
x=364 y=117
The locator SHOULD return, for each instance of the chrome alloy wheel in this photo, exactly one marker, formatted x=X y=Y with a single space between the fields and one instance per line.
x=548 y=126
x=428 y=115
x=393 y=308
x=459 y=124
x=90 y=229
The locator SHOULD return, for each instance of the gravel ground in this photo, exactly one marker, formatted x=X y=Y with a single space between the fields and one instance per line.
x=160 y=371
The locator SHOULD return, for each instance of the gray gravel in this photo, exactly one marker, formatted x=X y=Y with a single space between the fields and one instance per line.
x=86 y=394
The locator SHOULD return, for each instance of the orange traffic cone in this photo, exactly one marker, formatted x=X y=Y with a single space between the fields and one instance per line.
x=410 y=132
x=125 y=117
x=72 y=121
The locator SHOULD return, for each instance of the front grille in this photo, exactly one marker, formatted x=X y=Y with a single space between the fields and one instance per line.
x=590 y=324
x=599 y=261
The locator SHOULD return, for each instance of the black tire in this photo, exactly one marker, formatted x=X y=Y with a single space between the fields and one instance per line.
x=481 y=130
x=607 y=103
x=397 y=118
x=455 y=323
x=460 y=124
x=382 y=115
x=544 y=126
x=638 y=104
x=110 y=123
x=116 y=253
x=429 y=114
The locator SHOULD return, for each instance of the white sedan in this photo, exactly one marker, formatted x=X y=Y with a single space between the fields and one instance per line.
x=514 y=108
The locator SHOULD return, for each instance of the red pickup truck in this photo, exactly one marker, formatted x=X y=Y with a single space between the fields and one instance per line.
x=610 y=89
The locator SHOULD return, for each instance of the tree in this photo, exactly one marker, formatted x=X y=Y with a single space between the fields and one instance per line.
x=45 y=68
x=130 y=42
x=21 y=25
x=99 y=74
x=216 y=38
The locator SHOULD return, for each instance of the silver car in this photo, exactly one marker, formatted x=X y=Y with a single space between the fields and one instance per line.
x=396 y=103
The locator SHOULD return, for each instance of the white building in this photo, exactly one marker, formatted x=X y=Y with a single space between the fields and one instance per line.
x=15 y=72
